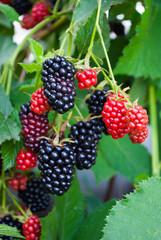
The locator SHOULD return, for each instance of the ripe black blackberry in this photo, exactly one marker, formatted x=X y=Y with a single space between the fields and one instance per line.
x=59 y=87
x=34 y=126
x=86 y=136
x=21 y=6
x=95 y=103
x=57 y=167
x=8 y=220
x=34 y=195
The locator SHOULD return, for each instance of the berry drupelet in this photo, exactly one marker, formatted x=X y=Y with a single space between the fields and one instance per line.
x=34 y=126
x=114 y=116
x=57 y=167
x=19 y=181
x=25 y=160
x=58 y=79
x=8 y=220
x=32 y=228
x=85 y=136
x=39 y=102
x=34 y=195
x=95 y=103
x=21 y=6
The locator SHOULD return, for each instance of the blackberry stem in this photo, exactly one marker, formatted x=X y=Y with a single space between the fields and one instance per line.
x=55 y=10
x=89 y=53
x=78 y=111
x=16 y=203
x=3 y=192
x=154 y=125
x=107 y=59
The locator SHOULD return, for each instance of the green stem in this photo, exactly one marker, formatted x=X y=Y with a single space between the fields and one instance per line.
x=78 y=111
x=70 y=42
x=107 y=58
x=95 y=28
x=3 y=192
x=63 y=44
x=154 y=125
x=56 y=7
x=16 y=203
x=9 y=82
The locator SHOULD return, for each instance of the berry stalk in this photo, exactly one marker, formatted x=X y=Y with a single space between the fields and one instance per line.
x=154 y=125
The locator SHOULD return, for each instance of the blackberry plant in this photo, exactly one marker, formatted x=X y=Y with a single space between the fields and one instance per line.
x=60 y=76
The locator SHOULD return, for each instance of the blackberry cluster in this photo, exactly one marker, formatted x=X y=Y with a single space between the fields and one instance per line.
x=8 y=220
x=57 y=167
x=34 y=196
x=21 y=6
x=59 y=87
x=95 y=103
x=86 y=136
x=34 y=126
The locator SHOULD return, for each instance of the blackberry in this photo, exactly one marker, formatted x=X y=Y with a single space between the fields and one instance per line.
x=86 y=136
x=34 y=195
x=57 y=167
x=21 y=6
x=95 y=103
x=8 y=220
x=59 y=87
x=34 y=126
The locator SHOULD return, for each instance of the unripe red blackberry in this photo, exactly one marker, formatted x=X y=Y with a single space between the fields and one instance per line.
x=95 y=103
x=40 y=10
x=59 y=87
x=21 y=6
x=86 y=78
x=19 y=181
x=32 y=228
x=28 y=22
x=85 y=136
x=57 y=167
x=34 y=126
x=114 y=116
x=8 y=220
x=34 y=195
x=137 y=120
x=39 y=102
x=25 y=160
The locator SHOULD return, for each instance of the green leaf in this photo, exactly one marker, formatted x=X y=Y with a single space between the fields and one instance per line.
x=141 y=56
x=137 y=217
x=128 y=159
x=37 y=50
x=84 y=33
x=33 y=67
x=69 y=211
x=7 y=47
x=9 y=151
x=92 y=202
x=10 y=13
x=102 y=169
x=8 y=129
x=87 y=230
x=49 y=226
x=139 y=90
x=84 y=8
x=5 y=104
x=10 y=231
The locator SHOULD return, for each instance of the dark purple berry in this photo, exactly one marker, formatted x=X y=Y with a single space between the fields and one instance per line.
x=58 y=80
